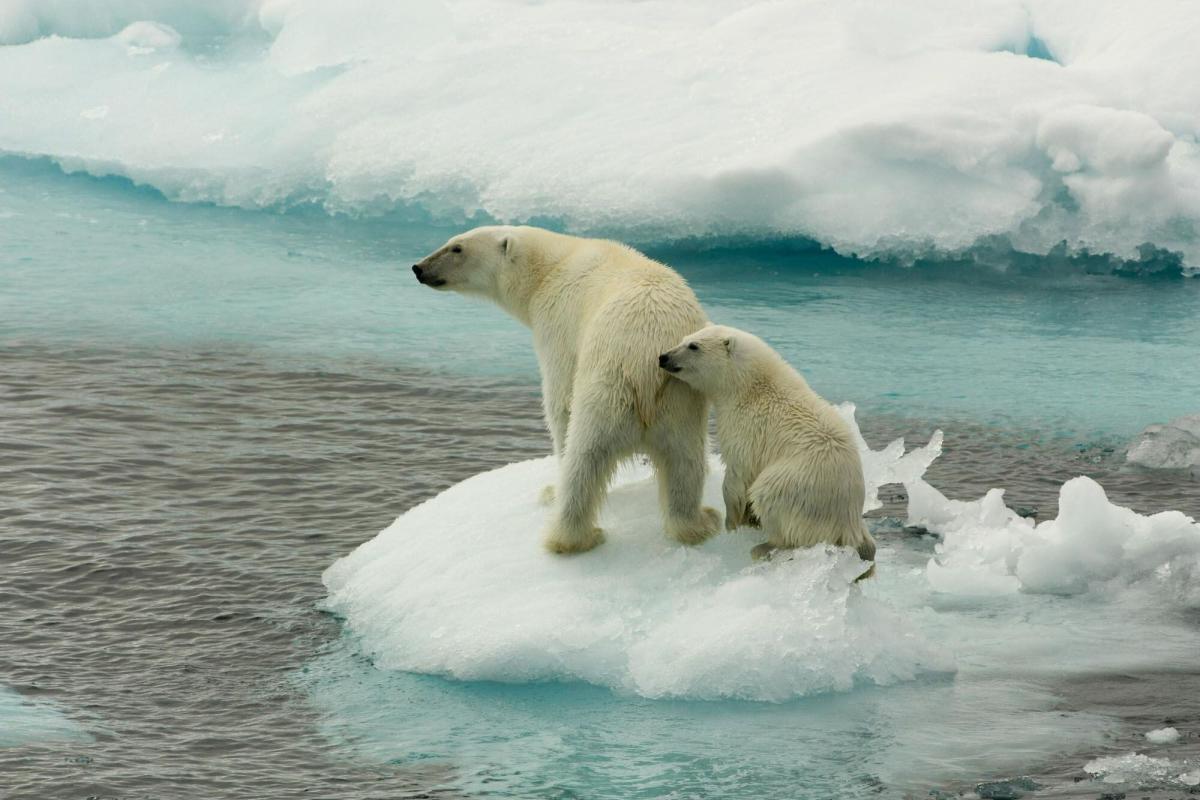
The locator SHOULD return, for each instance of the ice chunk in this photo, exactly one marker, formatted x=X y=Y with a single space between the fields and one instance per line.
x=460 y=586
x=988 y=549
x=891 y=464
x=1175 y=445
x=1140 y=771
x=1162 y=736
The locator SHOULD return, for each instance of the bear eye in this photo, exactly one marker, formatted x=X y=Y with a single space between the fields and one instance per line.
x=693 y=346
x=456 y=249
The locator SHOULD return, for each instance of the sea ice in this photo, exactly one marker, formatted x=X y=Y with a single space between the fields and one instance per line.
x=1175 y=445
x=1141 y=771
x=23 y=722
x=987 y=548
x=460 y=586
x=1162 y=736
x=877 y=129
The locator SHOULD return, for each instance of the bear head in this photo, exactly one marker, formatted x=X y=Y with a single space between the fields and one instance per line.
x=709 y=360
x=471 y=263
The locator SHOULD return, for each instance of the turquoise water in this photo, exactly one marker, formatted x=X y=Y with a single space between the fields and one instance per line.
x=1054 y=351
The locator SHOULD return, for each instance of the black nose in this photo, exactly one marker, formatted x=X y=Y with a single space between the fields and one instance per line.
x=662 y=360
x=417 y=271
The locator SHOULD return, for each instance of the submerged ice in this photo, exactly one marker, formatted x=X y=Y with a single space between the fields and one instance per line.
x=905 y=129
x=459 y=586
x=26 y=722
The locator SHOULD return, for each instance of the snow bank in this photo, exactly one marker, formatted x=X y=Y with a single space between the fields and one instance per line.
x=460 y=586
x=1175 y=445
x=880 y=130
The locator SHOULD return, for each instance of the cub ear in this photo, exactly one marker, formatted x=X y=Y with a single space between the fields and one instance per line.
x=730 y=344
x=506 y=246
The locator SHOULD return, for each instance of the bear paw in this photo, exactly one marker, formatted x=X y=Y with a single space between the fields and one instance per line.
x=546 y=496
x=696 y=531
x=557 y=542
x=767 y=551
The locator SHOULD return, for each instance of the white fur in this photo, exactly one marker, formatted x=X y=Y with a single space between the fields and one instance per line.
x=790 y=459
x=601 y=313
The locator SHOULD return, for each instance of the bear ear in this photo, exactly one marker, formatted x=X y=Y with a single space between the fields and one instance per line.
x=506 y=246
x=730 y=344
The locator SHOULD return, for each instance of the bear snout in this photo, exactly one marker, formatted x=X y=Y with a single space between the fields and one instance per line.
x=427 y=278
x=664 y=361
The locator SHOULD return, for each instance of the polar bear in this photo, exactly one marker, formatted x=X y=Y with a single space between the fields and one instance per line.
x=790 y=459
x=600 y=313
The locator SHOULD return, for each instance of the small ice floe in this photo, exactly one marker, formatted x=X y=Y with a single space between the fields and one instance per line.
x=1162 y=736
x=1143 y=771
x=1175 y=445
x=460 y=586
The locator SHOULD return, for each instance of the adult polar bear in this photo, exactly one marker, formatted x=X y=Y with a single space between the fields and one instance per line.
x=600 y=313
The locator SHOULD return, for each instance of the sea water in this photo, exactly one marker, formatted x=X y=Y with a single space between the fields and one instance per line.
x=299 y=339
x=220 y=380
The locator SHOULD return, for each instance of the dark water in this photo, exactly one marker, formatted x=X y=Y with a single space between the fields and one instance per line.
x=167 y=514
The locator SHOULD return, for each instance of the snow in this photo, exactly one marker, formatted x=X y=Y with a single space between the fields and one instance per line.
x=894 y=130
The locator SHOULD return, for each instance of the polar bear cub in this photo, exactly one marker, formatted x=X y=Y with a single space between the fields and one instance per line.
x=790 y=459
x=600 y=313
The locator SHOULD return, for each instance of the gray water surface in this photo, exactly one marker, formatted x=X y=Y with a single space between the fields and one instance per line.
x=167 y=514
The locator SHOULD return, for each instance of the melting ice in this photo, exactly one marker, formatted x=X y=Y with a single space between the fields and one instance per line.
x=895 y=129
x=24 y=722
x=459 y=586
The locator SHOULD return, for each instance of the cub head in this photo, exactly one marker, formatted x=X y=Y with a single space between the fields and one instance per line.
x=708 y=359
x=471 y=263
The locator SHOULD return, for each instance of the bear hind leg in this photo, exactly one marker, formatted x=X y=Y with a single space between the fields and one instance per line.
x=679 y=452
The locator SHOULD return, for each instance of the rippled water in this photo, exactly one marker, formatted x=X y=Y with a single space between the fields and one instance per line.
x=168 y=514
x=201 y=409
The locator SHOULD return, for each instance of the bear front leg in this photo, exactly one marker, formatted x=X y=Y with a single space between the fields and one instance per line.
x=557 y=411
x=597 y=439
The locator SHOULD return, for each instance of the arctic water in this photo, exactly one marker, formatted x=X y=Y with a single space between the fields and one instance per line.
x=206 y=407
x=269 y=524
